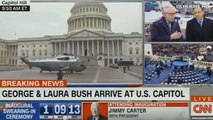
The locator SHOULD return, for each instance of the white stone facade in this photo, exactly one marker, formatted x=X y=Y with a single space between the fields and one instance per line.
x=91 y=16
x=89 y=34
x=3 y=52
x=8 y=52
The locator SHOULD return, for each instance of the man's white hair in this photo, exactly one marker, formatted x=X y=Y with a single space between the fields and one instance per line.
x=96 y=104
x=165 y=8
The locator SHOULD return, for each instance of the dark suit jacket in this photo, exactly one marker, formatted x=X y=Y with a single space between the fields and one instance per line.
x=101 y=117
x=195 y=33
x=160 y=31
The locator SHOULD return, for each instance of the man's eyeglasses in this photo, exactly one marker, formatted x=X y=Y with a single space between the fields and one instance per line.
x=172 y=13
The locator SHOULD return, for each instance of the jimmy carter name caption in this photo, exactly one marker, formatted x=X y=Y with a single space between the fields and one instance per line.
x=126 y=112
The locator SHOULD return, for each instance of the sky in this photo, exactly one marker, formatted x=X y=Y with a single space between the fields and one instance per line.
x=51 y=19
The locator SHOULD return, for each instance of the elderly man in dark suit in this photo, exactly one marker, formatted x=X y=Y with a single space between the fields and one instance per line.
x=95 y=110
x=166 y=29
x=199 y=28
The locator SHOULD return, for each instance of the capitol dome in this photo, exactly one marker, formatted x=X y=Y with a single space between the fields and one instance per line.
x=89 y=15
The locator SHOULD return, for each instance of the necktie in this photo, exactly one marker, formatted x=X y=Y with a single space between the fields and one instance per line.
x=170 y=27
x=200 y=22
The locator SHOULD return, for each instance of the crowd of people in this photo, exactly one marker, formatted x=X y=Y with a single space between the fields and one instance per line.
x=190 y=50
x=172 y=74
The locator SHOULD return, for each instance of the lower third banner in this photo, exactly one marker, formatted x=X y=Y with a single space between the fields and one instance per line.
x=136 y=110
x=78 y=110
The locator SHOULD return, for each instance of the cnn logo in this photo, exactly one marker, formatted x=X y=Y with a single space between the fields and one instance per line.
x=199 y=108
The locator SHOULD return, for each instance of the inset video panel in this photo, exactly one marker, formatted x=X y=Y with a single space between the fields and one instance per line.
x=178 y=64
x=178 y=21
x=81 y=41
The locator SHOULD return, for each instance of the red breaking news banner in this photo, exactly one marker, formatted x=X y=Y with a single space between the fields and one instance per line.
x=32 y=83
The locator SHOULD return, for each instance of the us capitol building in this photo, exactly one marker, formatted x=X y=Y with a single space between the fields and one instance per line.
x=89 y=34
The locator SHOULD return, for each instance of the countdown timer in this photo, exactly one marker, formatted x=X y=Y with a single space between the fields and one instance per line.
x=59 y=110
